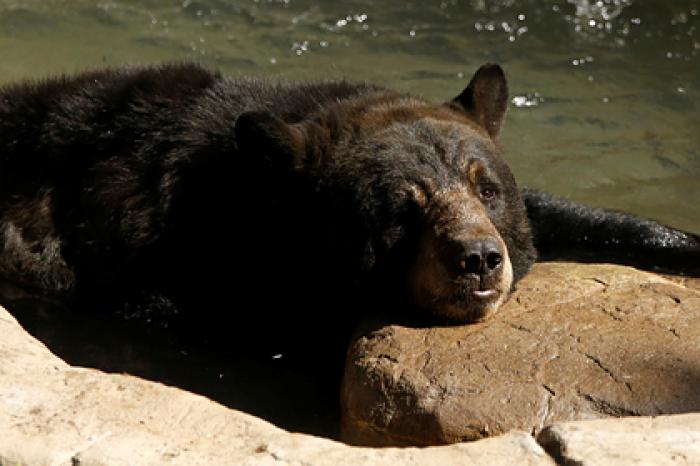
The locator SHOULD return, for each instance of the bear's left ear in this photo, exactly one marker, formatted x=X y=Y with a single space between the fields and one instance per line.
x=486 y=98
x=265 y=138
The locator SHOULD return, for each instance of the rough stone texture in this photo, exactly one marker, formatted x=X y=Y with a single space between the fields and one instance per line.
x=574 y=342
x=664 y=440
x=55 y=414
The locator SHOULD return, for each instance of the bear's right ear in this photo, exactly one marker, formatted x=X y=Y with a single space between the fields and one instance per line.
x=270 y=140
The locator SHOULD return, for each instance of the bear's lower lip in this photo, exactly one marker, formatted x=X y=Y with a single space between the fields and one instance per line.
x=484 y=294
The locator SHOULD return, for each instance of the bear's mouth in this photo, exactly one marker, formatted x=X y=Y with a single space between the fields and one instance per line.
x=471 y=287
x=485 y=294
x=469 y=298
x=469 y=302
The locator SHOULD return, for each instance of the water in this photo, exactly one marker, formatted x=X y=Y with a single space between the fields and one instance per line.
x=299 y=392
x=605 y=101
x=606 y=94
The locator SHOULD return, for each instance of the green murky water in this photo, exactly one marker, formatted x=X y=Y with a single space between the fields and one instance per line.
x=606 y=94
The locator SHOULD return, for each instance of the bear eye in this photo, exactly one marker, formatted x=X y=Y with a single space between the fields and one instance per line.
x=488 y=193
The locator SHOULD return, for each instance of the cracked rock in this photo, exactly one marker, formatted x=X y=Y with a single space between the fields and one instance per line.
x=574 y=342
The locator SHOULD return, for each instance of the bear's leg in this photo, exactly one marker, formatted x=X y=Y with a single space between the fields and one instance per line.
x=565 y=230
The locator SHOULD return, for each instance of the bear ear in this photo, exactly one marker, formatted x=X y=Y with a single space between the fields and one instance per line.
x=266 y=137
x=486 y=98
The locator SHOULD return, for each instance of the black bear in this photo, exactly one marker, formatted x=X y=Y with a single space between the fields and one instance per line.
x=174 y=179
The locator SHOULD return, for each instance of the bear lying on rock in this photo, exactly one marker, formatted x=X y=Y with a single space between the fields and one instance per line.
x=215 y=191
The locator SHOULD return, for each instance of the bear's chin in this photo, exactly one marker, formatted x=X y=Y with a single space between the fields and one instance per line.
x=468 y=311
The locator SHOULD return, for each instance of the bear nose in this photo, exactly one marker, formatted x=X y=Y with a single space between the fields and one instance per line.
x=482 y=257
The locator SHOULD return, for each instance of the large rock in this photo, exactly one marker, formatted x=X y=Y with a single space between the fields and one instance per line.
x=574 y=342
x=55 y=414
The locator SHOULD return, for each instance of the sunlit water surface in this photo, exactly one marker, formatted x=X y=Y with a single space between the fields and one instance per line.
x=605 y=94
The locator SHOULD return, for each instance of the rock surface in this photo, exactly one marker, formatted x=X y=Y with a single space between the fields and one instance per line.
x=574 y=342
x=55 y=414
x=665 y=440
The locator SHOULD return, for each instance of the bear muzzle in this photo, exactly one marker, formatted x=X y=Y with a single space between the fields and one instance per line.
x=476 y=280
x=481 y=258
x=462 y=272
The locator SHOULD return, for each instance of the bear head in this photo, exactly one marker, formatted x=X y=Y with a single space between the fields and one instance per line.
x=415 y=195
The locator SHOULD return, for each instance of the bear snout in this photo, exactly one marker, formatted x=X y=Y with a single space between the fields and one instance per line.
x=480 y=258
x=462 y=278
x=476 y=268
x=462 y=271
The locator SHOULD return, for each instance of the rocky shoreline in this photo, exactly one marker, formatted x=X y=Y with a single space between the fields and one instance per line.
x=57 y=414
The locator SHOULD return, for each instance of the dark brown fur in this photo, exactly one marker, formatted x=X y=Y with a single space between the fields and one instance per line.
x=332 y=196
